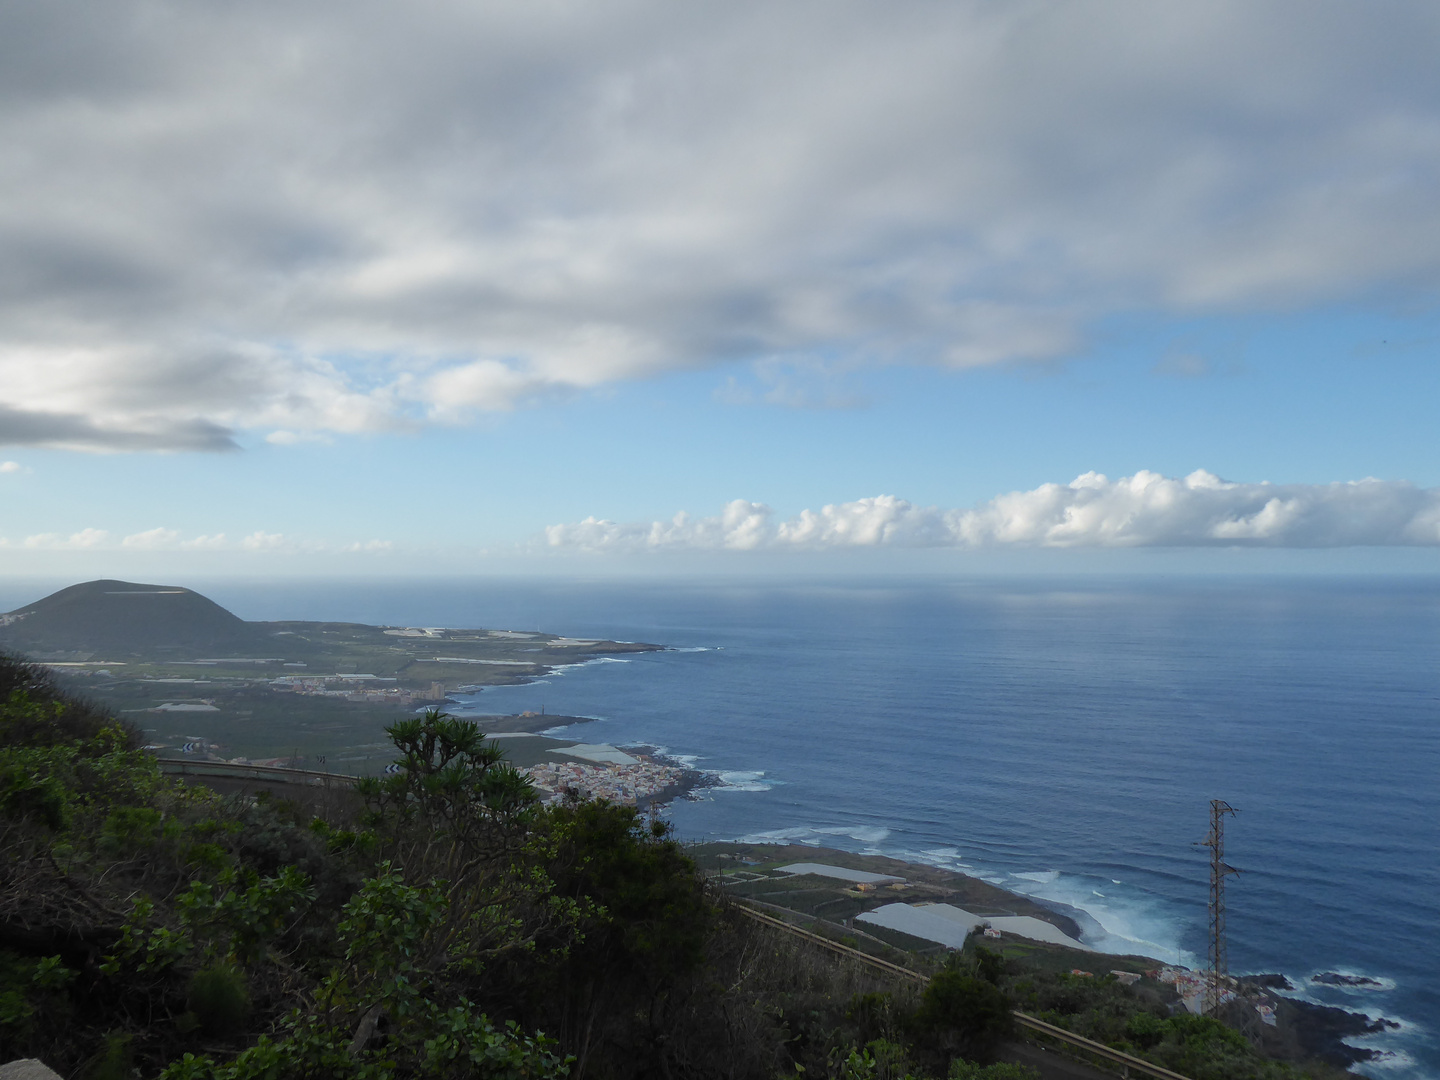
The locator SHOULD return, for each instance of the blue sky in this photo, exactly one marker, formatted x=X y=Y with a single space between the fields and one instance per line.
x=481 y=291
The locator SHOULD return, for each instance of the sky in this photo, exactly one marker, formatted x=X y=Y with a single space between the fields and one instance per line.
x=634 y=287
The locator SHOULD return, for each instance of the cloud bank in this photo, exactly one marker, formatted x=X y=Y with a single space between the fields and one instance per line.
x=278 y=217
x=1144 y=510
x=163 y=539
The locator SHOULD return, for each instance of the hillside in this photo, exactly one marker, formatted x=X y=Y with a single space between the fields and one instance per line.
x=122 y=618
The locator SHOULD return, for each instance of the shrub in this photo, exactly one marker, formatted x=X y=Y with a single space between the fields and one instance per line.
x=115 y=1061
x=1001 y=1070
x=220 y=1000
x=962 y=1016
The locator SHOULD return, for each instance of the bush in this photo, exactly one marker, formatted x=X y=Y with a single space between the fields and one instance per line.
x=879 y=1060
x=220 y=1000
x=35 y=712
x=1001 y=1070
x=961 y=1015
x=115 y=1061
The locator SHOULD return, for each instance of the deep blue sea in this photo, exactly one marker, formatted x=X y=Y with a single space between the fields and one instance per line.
x=1060 y=738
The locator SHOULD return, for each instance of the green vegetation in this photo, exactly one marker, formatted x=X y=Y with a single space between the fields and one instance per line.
x=1140 y=1021
x=443 y=924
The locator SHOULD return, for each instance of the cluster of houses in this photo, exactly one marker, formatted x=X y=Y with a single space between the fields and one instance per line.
x=626 y=783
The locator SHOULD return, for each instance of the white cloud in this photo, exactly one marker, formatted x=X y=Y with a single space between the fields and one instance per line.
x=204 y=543
x=372 y=547
x=294 y=438
x=151 y=539
x=323 y=218
x=11 y=467
x=741 y=526
x=490 y=385
x=85 y=538
x=164 y=539
x=1144 y=510
x=263 y=541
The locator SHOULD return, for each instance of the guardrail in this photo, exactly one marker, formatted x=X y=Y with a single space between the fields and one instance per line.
x=271 y=773
x=1100 y=1050
x=1125 y=1062
x=834 y=946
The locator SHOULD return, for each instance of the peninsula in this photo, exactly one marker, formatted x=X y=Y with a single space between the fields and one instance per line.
x=194 y=675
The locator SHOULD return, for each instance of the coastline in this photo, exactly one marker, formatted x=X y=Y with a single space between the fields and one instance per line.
x=691 y=779
x=1284 y=1027
x=1309 y=1029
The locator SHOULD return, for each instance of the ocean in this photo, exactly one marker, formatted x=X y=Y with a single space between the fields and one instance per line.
x=1059 y=738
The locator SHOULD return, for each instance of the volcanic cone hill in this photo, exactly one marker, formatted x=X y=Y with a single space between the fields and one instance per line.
x=122 y=618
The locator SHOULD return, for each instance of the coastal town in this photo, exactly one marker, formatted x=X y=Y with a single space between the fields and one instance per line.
x=636 y=783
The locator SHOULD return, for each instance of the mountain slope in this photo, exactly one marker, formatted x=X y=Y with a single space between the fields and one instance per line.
x=119 y=618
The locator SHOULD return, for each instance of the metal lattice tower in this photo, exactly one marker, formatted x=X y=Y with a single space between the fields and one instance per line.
x=1219 y=871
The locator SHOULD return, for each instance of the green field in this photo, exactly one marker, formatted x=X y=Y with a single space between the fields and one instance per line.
x=278 y=689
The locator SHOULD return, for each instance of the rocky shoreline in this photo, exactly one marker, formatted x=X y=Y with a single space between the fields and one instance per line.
x=1308 y=1030
x=692 y=780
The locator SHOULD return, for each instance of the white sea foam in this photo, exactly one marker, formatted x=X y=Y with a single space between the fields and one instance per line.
x=1378 y=985
x=1390 y=1061
x=685 y=761
x=561 y=669
x=946 y=858
x=697 y=648
x=744 y=781
x=1124 y=923
x=778 y=836
x=865 y=833
x=1401 y=1025
x=816 y=836
x=1349 y=998
x=1389 y=1057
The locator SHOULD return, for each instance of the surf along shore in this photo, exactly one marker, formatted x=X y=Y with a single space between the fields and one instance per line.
x=837 y=894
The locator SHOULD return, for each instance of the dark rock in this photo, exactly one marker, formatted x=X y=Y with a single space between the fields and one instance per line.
x=1311 y=1031
x=1334 y=978
x=1268 y=982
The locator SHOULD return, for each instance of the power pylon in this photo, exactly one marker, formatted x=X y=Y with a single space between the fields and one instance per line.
x=1219 y=871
